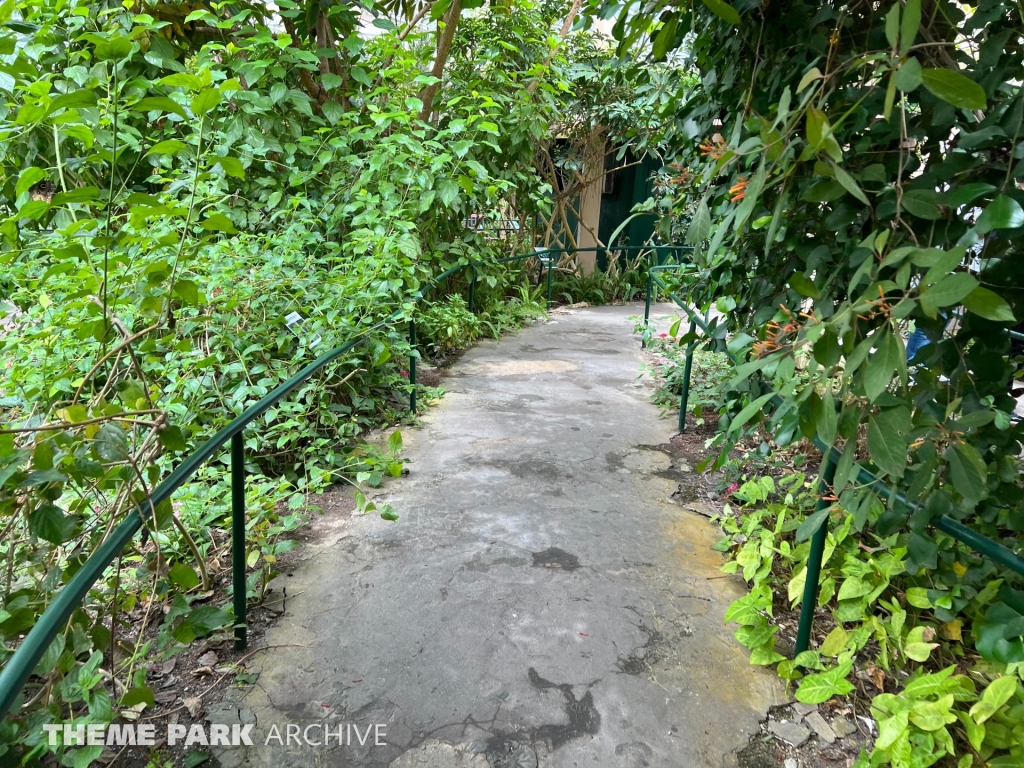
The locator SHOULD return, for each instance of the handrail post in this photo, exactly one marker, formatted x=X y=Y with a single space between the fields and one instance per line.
x=686 y=379
x=412 y=365
x=551 y=264
x=810 y=602
x=647 y=307
x=238 y=539
x=472 y=288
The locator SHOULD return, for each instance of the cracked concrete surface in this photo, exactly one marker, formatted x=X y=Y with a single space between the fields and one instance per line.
x=540 y=603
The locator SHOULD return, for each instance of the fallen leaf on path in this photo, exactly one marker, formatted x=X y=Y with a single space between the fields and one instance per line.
x=194 y=705
x=208 y=659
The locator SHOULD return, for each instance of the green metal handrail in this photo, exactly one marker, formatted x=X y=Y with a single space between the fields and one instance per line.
x=19 y=667
x=991 y=549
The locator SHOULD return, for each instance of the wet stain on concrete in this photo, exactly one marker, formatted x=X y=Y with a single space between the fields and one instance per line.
x=637 y=754
x=534 y=469
x=481 y=566
x=639 y=662
x=509 y=750
x=583 y=716
x=556 y=558
x=661 y=648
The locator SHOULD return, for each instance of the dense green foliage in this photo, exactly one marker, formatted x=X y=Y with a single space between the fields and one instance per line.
x=193 y=205
x=848 y=172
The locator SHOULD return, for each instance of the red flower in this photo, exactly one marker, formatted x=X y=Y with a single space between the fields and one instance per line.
x=404 y=373
x=663 y=335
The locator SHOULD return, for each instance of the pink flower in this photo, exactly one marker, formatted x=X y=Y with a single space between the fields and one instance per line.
x=663 y=335
x=733 y=487
x=404 y=373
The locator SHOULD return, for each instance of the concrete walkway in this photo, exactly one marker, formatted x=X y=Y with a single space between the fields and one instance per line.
x=540 y=603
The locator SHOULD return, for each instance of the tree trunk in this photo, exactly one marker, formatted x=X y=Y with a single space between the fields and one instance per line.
x=444 y=47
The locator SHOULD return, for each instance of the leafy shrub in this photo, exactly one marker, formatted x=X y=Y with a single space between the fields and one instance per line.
x=939 y=698
x=447 y=326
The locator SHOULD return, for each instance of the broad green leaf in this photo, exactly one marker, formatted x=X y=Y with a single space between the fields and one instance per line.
x=887 y=440
x=918 y=597
x=908 y=76
x=231 y=166
x=954 y=88
x=819 y=688
x=168 y=147
x=849 y=183
x=724 y=11
x=1002 y=213
x=882 y=365
x=187 y=291
x=113 y=47
x=923 y=203
x=140 y=695
x=819 y=134
x=950 y=290
x=891 y=728
x=826 y=349
x=73 y=100
x=854 y=587
x=745 y=415
x=975 y=734
x=812 y=74
x=182 y=80
x=438 y=8
x=835 y=642
x=205 y=101
x=28 y=178
x=996 y=694
x=967 y=193
x=80 y=195
x=183 y=576
x=910 y=24
x=665 y=40
x=360 y=75
x=803 y=285
x=47 y=522
x=159 y=104
x=890 y=97
x=218 y=222
x=111 y=442
x=700 y=226
x=929 y=685
x=331 y=81
x=172 y=439
x=930 y=716
x=50 y=657
x=968 y=472
x=826 y=422
x=812 y=523
x=989 y=304
x=448 y=191
x=892 y=25
x=919 y=651
x=395 y=442
x=83 y=757
x=200 y=622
